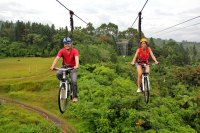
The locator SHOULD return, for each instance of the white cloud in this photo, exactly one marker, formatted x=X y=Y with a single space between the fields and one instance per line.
x=157 y=14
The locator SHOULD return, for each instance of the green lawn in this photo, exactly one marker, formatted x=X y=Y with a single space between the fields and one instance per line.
x=15 y=70
x=29 y=81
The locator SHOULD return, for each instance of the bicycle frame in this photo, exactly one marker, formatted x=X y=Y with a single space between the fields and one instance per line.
x=145 y=83
x=64 y=88
x=65 y=82
x=145 y=75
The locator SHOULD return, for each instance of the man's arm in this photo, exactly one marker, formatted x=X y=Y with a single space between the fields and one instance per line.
x=76 y=61
x=55 y=62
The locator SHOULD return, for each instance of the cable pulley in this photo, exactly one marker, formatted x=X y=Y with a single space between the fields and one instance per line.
x=71 y=18
x=71 y=22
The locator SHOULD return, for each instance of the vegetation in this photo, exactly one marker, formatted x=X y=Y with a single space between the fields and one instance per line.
x=108 y=102
x=107 y=83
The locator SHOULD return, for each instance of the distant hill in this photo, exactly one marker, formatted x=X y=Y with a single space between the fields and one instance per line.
x=191 y=44
x=186 y=44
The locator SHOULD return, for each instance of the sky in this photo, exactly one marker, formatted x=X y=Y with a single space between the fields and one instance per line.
x=157 y=15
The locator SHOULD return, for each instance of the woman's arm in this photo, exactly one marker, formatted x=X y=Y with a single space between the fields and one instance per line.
x=135 y=56
x=152 y=56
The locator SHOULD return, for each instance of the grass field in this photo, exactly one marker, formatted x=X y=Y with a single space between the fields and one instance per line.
x=29 y=81
x=15 y=70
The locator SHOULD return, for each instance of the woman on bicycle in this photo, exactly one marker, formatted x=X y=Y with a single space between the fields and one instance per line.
x=142 y=55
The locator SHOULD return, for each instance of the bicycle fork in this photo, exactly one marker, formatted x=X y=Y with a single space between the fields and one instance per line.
x=66 y=88
x=148 y=83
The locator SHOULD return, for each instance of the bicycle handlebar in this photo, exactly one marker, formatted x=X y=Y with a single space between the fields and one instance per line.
x=63 y=69
x=148 y=64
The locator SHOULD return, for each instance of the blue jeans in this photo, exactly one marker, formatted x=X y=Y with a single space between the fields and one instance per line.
x=73 y=77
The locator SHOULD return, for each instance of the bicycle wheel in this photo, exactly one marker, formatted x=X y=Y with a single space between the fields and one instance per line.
x=62 y=98
x=146 y=90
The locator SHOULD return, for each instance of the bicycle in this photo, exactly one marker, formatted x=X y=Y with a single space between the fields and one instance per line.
x=64 y=88
x=145 y=85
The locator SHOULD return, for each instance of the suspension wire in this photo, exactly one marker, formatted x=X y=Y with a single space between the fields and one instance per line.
x=134 y=21
x=70 y=10
x=183 y=28
x=176 y=25
x=144 y=6
x=138 y=15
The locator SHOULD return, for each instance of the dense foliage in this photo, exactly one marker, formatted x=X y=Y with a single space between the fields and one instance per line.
x=109 y=103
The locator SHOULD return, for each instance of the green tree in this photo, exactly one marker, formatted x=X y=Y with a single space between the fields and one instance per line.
x=194 y=51
x=152 y=43
x=19 y=31
x=89 y=29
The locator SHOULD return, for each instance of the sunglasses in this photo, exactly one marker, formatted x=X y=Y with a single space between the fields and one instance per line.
x=66 y=43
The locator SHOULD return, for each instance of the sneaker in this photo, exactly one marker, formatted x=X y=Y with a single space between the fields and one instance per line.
x=75 y=100
x=139 y=90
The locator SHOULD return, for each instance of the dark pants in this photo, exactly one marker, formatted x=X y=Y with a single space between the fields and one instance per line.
x=73 y=77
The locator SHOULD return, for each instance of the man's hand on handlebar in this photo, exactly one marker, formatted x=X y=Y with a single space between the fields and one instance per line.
x=75 y=67
x=52 y=68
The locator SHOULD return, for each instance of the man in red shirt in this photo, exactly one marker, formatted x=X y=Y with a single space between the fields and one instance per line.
x=70 y=58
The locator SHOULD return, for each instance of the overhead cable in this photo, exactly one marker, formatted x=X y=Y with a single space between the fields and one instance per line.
x=176 y=25
x=140 y=11
x=144 y=6
x=182 y=28
x=71 y=11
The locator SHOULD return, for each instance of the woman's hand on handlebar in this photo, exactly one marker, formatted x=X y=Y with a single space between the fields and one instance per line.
x=132 y=63
x=156 y=62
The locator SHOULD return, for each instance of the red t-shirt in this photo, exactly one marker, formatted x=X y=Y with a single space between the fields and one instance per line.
x=68 y=57
x=143 y=56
